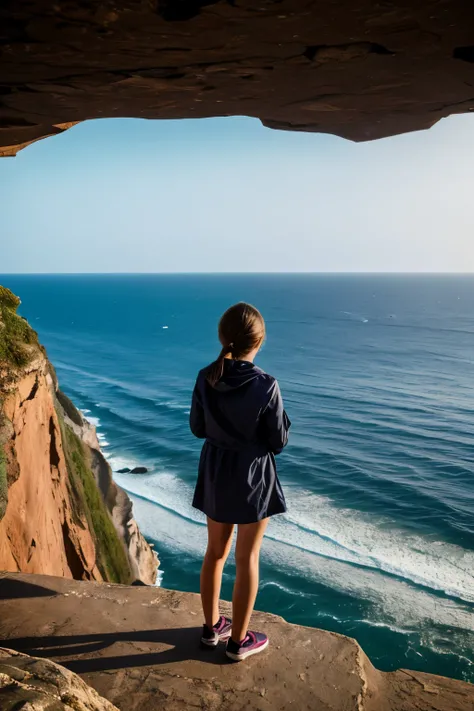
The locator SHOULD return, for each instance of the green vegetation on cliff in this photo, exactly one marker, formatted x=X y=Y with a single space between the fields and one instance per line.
x=69 y=408
x=15 y=333
x=112 y=559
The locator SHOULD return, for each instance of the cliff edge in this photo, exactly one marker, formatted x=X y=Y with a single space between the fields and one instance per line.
x=61 y=513
x=138 y=647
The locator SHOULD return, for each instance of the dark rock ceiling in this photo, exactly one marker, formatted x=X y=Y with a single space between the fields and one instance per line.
x=360 y=69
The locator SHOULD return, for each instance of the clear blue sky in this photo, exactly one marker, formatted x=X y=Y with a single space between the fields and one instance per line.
x=125 y=195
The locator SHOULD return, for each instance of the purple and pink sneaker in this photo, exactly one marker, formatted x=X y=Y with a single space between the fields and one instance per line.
x=253 y=643
x=219 y=633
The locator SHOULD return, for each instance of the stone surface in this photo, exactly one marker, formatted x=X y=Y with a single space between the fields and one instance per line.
x=139 y=648
x=31 y=684
x=362 y=70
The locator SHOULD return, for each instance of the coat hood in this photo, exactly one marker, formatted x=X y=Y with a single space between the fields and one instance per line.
x=236 y=374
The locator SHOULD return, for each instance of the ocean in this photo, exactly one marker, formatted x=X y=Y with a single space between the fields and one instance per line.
x=377 y=374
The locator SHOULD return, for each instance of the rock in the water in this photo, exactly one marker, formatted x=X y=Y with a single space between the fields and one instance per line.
x=135 y=470
x=32 y=684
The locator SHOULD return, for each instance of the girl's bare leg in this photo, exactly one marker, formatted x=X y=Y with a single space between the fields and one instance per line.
x=247 y=555
x=219 y=541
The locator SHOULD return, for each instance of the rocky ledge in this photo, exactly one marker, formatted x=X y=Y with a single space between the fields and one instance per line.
x=139 y=648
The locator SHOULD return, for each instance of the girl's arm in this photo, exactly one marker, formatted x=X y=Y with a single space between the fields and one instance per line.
x=275 y=423
x=196 y=416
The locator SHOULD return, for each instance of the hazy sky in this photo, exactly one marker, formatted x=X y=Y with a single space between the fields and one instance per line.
x=125 y=195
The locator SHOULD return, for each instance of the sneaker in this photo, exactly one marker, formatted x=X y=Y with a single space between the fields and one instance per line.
x=219 y=633
x=253 y=643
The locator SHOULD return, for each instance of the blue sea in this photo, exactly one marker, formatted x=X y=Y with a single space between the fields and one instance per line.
x=377 y=373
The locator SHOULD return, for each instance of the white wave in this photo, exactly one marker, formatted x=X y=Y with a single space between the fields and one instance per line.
x=390 y=601
x=283 y=588
x=341 y=549
x=331 y=617
x=93 y=421
x=167 y=529
x=356 y=317
x=314 y=524
x=102 y=440
x=393 y=628
x=85 y=411
x=173 y=405
x=163 y=488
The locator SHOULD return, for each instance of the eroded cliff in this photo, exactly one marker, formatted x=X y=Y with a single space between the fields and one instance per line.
x=60 y=511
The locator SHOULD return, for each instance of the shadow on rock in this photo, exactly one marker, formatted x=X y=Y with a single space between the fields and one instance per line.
x=183 y=645
x=16 y=589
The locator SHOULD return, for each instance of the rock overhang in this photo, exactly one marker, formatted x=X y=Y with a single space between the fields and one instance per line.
x=361 y=69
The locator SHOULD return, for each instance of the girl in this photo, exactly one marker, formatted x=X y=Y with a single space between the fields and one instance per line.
x=237 y=408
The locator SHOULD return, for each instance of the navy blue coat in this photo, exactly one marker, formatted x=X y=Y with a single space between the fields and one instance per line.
x=244 y=424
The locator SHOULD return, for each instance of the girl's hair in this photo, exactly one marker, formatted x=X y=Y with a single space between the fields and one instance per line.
x=241 y=330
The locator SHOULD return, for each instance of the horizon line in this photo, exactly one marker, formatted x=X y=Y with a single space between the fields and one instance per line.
x=253 y=273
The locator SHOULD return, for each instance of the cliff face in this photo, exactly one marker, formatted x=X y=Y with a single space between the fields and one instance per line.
x=60 y=511
x=142 y=559
x=43 y=529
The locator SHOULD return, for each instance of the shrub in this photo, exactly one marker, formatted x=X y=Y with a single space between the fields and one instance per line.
x=15 y=332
